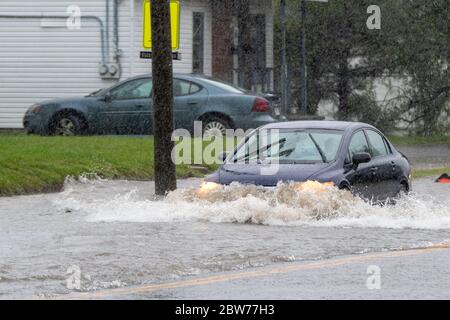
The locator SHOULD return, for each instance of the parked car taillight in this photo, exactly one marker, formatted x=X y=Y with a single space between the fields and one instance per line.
x=261 y=105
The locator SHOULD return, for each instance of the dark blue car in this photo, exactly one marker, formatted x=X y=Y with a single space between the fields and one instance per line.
x=352 y=156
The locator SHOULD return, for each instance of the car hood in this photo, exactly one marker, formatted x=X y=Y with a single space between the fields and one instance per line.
x=65 y=101
x=75 y=102
x=267 y=176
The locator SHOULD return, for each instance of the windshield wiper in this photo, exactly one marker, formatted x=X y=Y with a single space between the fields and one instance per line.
x=257 y=152
x=322 y=155
x=94 y=93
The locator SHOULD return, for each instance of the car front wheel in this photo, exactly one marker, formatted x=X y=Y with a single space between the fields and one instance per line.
x=67 y=125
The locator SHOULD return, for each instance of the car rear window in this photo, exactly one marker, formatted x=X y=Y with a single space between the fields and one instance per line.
x=224 y=86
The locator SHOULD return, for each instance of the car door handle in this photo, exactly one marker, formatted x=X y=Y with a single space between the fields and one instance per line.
x=192 y=102
x=374 y=170
x=140 y=106
x=394 y=166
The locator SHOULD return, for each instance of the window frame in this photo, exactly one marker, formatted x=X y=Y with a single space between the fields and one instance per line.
x=349 y=158
x=190 y=87
x=197 y=15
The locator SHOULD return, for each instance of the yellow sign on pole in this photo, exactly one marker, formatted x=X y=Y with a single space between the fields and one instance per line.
x=174 y=23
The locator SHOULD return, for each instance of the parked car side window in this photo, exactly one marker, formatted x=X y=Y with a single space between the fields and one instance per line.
x=194 y=88
x=377 y=143
x=184 y=88
x=358 y=144
x=135 y=89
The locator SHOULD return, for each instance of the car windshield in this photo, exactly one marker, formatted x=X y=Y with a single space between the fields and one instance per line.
x=289 y=147
x=99 y=92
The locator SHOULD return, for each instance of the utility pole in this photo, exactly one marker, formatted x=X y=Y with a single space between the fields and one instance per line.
x=245 y=42
x=304 y=71
x=162 y=71
x=284 y=80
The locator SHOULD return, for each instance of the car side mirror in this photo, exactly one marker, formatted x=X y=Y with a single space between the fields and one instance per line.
x=362 y=157
x=223 y=156
x=107 y=97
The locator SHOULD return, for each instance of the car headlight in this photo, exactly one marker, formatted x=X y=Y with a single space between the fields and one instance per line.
x=314 y=186
x=206 y=188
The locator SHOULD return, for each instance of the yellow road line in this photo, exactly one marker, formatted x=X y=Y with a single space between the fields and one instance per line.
x=252 y=274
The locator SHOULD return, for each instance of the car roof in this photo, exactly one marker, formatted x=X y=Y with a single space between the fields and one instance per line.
x=326 y=125
x=176 y=75
x=213 y=85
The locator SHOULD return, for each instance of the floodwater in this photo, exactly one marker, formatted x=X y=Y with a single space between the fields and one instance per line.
x=427 y=156
x=116 y=235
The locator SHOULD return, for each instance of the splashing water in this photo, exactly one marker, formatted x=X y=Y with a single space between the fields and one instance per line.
x=309 y=204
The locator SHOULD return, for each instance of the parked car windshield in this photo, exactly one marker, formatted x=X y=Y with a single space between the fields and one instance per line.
x=290 y=147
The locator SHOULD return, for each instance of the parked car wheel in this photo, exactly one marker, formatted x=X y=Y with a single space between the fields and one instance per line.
x=67 y=124
x=215 y=126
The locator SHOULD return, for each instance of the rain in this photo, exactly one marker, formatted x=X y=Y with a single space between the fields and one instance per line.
x=224 y=149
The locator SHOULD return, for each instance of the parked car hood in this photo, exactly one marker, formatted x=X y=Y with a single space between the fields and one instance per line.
x=254 y=174
x=66 y=100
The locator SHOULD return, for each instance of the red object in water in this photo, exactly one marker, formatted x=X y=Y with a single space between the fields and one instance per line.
x=445 y=178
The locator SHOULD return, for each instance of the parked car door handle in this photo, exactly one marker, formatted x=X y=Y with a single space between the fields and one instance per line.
x=374 y=170
x=140 y=106
x=192 y=102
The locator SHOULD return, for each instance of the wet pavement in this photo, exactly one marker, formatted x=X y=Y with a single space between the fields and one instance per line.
x=114 y=235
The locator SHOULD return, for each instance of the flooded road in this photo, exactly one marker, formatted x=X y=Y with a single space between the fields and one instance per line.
x=427 y=156
x=112 y=236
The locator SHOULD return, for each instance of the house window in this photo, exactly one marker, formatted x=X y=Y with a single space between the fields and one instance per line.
x=198 y=43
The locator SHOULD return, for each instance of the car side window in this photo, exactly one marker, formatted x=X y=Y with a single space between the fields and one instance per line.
x=194 y=88
x=184 y=88
x=358 y=144
x=135 y=89
x=377 y=143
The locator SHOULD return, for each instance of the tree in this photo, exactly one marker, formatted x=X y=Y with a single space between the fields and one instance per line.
x=346 y=59
x=422 y=53
x=163 y=123
x=336 y=37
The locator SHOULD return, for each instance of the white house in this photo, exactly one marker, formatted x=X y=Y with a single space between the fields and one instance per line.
x=47 y=52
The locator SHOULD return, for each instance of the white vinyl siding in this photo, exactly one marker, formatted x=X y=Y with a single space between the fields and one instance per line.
x=38 y=62
x=40 y=59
